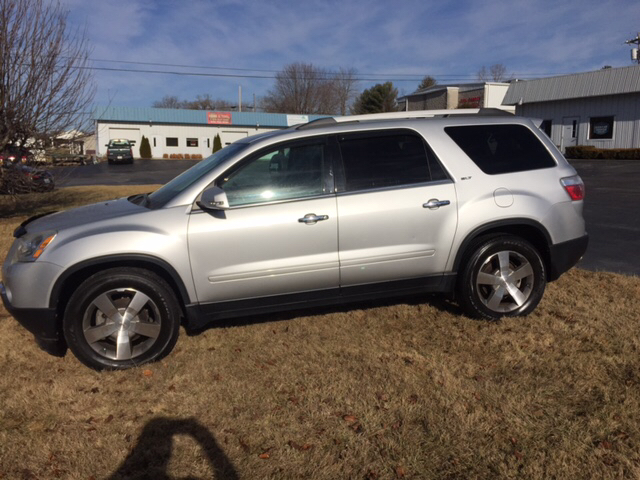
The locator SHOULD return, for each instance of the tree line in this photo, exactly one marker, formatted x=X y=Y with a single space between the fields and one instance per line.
x=303 y=88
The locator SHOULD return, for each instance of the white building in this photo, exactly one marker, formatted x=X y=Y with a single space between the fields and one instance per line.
x=600 y=108
x=177 y=133
x=458 y=95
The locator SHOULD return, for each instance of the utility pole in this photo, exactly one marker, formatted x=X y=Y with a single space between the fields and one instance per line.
x=634 y=51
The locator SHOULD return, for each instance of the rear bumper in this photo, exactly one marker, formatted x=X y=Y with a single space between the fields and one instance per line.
x=41 y=322
x=565 y=255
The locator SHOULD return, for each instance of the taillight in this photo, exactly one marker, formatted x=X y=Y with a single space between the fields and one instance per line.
x=574 y=187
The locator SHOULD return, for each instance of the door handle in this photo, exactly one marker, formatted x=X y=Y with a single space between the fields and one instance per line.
x=312 y=218
x=434 y=204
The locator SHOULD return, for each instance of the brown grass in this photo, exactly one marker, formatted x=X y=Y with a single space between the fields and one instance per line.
x=405 y=390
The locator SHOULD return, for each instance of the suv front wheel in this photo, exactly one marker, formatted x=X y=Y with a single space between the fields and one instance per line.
x=501 y=277
x=120 y=318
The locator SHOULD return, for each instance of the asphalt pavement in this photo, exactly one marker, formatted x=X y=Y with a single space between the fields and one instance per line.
x=612 y=202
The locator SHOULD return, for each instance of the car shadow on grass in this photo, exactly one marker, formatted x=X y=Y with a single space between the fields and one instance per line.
x=151 y=456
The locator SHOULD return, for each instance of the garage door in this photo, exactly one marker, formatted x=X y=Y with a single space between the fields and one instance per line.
x=230 y=137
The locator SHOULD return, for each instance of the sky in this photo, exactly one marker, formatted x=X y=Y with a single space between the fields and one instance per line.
x=218 y=46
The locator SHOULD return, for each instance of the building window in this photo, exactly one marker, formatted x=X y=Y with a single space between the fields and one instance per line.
x=154 y=142
x=208 y=143
x=192 y=142
x=172 y=141
x=545 y=126
x=601 y=128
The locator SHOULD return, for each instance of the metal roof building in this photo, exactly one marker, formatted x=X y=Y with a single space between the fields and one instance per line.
x=600 y=108
x=456 y=95
x=178 y=133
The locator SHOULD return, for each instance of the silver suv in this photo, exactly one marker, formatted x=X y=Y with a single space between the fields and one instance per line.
x=482 y=206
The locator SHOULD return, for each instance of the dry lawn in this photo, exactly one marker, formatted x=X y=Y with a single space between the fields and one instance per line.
x=398 y=390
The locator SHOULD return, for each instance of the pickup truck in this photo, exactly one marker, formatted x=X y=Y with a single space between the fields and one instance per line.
x=119 y=150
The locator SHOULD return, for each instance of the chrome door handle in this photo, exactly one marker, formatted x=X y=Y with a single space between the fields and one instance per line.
x=434 y=204
x=312 y=218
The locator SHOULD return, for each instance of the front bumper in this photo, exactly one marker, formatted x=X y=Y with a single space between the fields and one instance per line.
x=565 y=255
x=39 y=321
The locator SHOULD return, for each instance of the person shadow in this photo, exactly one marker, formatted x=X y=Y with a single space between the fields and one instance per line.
x=150 y=457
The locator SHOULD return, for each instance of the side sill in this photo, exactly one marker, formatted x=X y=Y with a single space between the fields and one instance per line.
x=199 y=316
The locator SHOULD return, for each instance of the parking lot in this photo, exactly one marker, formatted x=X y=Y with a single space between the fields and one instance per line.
x=611 y=205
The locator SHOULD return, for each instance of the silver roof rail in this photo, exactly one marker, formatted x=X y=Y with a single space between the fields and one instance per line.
x=323 y=122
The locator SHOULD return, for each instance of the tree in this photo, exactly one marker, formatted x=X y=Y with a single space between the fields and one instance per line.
x=377 y=99
x=427 y=82
x=303 y=88
x=145 y=148
x=496 y=73
x=202 y=102
x=217 y=143
x=344 y=86
x=46 y=86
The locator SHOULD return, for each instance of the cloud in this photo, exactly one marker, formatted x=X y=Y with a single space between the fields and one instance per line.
x=450 y=40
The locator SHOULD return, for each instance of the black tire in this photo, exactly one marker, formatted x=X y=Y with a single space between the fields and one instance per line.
x=501 y=277
x=98 y=331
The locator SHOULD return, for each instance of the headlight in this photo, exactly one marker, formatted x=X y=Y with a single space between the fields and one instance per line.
x=31 y=245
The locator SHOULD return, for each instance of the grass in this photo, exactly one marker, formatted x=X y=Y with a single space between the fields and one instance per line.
x=376 y=391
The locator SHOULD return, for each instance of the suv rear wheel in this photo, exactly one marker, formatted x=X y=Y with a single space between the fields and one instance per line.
x=502 y=277
x=121 y=317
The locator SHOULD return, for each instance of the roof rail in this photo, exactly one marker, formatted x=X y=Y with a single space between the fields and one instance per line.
x=323 y=122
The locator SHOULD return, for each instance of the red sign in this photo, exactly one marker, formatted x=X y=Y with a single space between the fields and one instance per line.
x=219 y=118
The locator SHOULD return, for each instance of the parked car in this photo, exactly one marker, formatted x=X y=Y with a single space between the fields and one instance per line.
x=17 y=177
x=481 y=206
x=15 y=154
x=120 y=150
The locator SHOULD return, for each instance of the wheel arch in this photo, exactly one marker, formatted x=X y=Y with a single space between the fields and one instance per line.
x=76 y=274
x=529 y=230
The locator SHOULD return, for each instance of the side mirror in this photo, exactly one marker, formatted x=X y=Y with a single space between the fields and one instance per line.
x=213 y=198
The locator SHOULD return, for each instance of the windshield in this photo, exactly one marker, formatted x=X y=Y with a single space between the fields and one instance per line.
x=183 y=181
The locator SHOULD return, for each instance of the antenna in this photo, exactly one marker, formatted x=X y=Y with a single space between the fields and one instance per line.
x=634 y=51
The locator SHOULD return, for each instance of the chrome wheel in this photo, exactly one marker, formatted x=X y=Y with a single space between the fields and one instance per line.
x=121 y=324
x=505 y=281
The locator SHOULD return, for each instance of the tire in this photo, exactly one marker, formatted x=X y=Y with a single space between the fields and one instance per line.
x=501 y=277
x=99 y=333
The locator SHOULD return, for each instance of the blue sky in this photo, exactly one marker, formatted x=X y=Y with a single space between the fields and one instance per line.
x=400 y=41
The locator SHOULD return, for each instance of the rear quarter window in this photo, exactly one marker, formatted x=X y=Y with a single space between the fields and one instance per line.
x=497 y=149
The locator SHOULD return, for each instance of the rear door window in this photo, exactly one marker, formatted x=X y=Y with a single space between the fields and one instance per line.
x=497 y=149
x=387 y=159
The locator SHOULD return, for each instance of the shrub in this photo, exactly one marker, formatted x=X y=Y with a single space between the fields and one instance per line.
x=145 y=148
x=165 y=155
x=589 y=152
x=217 y=143
x=187 y=156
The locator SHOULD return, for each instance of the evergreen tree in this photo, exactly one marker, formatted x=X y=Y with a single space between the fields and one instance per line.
x=377 y=99
x=145 y=148
x=217 y=143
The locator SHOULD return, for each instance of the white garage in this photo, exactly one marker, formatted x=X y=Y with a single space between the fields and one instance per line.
x=176 y=133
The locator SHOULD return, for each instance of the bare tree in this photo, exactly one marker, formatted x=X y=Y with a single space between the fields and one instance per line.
x=306 y=89
x=344 y=88
x=427 y=82
x=496 y=73
x=46 y=86
x=202 y=102
x=168 y=101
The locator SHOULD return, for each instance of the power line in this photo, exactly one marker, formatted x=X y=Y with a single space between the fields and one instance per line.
x=378 y=75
